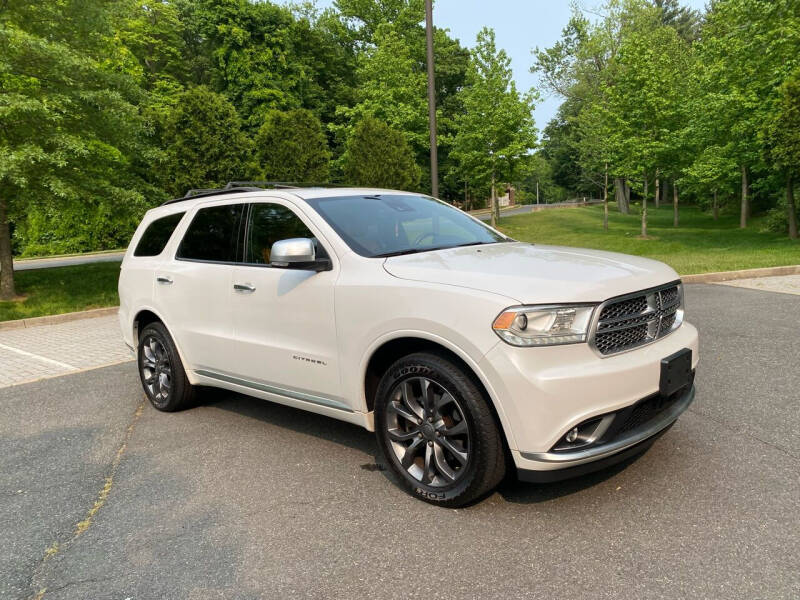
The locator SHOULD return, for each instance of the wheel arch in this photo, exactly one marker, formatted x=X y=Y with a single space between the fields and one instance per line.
x=146 y=315
x=142 y=319
x=388 y=350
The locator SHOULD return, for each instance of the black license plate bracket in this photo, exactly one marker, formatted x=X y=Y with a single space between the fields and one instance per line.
x=676 y=372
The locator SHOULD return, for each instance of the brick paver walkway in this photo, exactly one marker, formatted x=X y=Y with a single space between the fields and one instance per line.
x=48 y=350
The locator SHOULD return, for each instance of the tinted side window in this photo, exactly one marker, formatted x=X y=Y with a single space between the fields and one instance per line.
x=270 y=223
x=213 y=234
x=157 y=234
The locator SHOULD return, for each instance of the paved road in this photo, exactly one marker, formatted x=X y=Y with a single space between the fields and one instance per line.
x=240 y=498
x=529 y=208
x=66 y=261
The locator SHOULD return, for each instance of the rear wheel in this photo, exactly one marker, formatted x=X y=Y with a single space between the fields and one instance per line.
x=436 y=431
x=161 y=371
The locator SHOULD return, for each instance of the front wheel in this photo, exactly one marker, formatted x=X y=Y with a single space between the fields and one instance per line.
x=437 y=432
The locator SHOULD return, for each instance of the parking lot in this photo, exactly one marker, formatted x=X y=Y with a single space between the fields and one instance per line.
x=104 y=497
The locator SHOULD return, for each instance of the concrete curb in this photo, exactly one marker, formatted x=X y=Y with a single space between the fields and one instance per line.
x=62 y=318
x=743 y=274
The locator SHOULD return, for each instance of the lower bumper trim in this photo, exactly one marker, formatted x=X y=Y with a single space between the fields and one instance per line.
x=531 y=476
x=563 y=460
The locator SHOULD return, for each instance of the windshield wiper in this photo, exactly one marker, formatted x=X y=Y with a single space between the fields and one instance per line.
x=431 y=249
x=402 y=252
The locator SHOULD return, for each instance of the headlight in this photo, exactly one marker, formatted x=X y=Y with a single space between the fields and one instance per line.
x=544 y=325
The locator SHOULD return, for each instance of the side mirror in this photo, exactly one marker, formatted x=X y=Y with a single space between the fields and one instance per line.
x=297 y=253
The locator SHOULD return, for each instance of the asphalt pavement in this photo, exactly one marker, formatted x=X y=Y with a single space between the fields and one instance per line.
x=104 y=497
x=67 y=261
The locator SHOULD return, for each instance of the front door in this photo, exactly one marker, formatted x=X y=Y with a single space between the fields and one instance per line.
x=284 y=322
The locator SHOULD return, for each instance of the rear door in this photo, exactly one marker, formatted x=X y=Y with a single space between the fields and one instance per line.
x=284 y=321
x=194 y=290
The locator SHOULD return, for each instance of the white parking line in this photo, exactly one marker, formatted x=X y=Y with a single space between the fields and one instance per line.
x=40 y=358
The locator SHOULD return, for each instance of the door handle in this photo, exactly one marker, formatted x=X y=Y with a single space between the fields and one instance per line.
x=164 y=279
x=244 y=287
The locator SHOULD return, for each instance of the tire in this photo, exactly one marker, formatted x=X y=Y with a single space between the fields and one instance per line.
x=437 y=432
x=161 y=372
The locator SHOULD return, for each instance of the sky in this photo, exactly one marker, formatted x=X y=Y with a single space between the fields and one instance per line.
x=520 y=26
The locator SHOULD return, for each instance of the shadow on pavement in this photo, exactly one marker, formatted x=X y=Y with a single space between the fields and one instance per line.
x=293 y=419
x=355 y=437
x=520 y=492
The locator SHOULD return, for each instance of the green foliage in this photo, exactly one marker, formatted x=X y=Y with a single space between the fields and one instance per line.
x=379 y=156
x=781 y=133
x=392 y=88
x=72 y=134
x=205 y=146
x=291 y=146
x=495 y=130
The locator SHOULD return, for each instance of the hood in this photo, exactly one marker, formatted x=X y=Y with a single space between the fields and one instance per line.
x=534 y=274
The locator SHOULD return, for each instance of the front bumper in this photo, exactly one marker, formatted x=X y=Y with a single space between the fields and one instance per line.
x=542 y=393
x=555 y=466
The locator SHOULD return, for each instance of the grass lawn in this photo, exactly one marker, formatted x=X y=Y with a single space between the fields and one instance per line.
x=698 y=245
x=63 y=289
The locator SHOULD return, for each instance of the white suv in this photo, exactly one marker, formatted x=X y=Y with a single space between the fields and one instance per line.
x=467 y=353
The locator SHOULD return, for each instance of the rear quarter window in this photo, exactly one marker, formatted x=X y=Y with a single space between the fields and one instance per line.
x=155 y=237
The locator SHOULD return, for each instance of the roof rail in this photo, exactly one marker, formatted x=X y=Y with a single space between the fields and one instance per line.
x=263 y=184
x=246 y=186
x=202 y=193
x=284 y=184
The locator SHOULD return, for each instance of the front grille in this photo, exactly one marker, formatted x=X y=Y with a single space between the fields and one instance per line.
x=637 y=319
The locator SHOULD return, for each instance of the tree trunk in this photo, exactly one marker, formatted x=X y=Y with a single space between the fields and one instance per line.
x=745 y=208
x=790 y=208
x=658 y=189
x=7 y=291
x=715 y=208
x=627 y=197
x=493 y=204
x=644 y=206
x=674 y=203
x=619 y=194
x=605 y=200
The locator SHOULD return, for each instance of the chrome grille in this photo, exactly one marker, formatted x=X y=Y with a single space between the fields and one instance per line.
x=637 y=319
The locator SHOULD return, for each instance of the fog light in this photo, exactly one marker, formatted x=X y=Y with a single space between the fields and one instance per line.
x=572 y=435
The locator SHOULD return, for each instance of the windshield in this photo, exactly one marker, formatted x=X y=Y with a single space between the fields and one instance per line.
x=394 y=224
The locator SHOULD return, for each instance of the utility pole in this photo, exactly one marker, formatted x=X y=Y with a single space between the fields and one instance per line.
x=432 y=99
x=537 y=191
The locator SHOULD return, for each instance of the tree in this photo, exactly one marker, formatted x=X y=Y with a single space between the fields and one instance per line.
x=392 y=81
x=392 y=88
x=782 y=142
x=642 y=112
x=685 y=21
x=378 y=156
x=205 y=145
x=496 y=129
x=581 y=67
x=70 y=122
x=747 y=48
x=291 y=146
